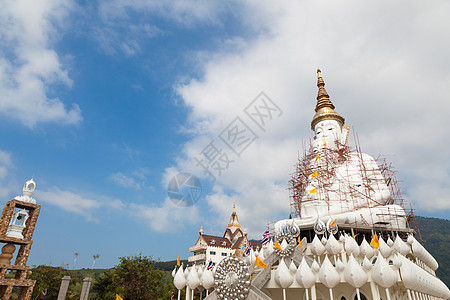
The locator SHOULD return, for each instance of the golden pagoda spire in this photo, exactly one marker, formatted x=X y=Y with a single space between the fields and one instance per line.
x=234 y=221
x=324 y=107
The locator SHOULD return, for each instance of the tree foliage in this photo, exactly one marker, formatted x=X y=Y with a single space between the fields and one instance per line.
x=47 y=278
x=436 y=234
x=135 y=277
x=50 y=278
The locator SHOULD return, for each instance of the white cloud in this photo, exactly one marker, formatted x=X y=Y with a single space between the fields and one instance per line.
x=184 y=12
x=386 y=70
x=115 y=34
x=71 y=202
x=29 y=66
x=167 y=217
x=125 y=181
x=137 y=180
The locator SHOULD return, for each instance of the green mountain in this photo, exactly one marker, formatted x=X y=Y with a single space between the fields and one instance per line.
x=436 y=235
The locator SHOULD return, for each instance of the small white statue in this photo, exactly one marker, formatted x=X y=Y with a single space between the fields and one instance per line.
x=28 y=190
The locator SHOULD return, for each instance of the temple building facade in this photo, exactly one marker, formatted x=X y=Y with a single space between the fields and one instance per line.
x=215 y=248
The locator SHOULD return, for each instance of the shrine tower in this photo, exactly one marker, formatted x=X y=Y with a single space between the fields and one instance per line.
x=17 y=225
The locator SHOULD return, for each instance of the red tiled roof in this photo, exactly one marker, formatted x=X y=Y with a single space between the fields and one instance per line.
x=238 y=242
x=256 y=245
x=218 y=241
x=232 y=234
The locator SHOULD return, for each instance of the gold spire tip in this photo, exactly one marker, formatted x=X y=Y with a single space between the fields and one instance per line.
x=319 y=74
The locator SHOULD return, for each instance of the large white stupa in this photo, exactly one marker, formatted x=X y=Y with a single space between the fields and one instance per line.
x=349 y=237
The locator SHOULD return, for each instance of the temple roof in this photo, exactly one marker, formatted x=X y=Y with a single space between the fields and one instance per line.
x=238 y=242
x=232 y=234
x=218 y=241
x=234 y=221
x=255 y=245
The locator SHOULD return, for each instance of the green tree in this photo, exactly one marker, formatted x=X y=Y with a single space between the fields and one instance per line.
x=47 y=278
x=135 y=277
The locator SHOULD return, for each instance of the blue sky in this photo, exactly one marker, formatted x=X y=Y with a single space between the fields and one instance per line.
x=103 y=102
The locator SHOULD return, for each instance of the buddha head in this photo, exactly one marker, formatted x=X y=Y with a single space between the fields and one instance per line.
x=327 y=123
x=326 y=133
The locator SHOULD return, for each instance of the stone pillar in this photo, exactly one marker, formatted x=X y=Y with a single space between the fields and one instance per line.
x=7 y=292
x=85 y=290
x=64 y=287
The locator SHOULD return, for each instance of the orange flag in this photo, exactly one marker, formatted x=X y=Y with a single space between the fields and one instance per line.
x=277 y=245
x=314 y=190
x=299 y=242
x=118 y=297
x=178 y=261
x=317 y=158
x=315 y=174
x=333 y=223
x=260 y=263
x=375 y=243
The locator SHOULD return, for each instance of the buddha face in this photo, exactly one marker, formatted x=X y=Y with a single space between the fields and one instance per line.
x=328 y=131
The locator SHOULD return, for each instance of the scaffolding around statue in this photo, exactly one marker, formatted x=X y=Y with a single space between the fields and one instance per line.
x=350 y=190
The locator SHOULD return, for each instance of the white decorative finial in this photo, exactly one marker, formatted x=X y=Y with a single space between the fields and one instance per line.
x=29 y=187
x=28 y=190
x=201 y=229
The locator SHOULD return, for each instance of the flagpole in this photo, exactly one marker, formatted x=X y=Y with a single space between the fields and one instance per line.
x=179 y=294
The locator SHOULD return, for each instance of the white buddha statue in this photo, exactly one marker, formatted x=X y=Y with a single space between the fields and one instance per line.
x=340 y=184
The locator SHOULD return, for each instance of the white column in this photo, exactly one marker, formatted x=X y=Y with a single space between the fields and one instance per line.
x=188 y=293
x=357 y=294
x=409 y=294
x=417 y=295
x=373 y=289
x=388 y=295
x=313 y=292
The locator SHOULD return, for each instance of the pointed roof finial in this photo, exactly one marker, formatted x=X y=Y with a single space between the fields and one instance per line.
x=234 y=221
x=201 y=229
x=324 y=107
